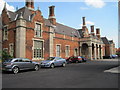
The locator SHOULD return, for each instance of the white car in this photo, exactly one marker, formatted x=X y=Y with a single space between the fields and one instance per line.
x=53 y=61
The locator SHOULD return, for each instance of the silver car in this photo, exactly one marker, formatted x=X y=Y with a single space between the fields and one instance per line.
x=53 y=61
x=17 y=64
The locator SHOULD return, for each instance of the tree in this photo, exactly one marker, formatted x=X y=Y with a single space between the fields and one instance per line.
x=6 y=56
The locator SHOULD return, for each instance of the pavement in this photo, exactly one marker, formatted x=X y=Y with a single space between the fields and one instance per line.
x=114 y=70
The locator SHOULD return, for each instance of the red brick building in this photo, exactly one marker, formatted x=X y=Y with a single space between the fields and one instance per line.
x=0 y=37
x=26 y=33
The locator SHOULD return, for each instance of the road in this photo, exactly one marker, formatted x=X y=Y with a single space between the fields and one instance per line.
x=77 y=75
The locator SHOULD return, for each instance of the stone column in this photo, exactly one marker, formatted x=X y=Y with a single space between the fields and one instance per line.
x=101 y=53
x=51 y=45
x=90 y=52
x=21 y=38
x=98 y=52
x=95 y=52
x=80 y=51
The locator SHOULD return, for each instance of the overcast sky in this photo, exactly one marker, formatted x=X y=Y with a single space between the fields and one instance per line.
x=101 y=13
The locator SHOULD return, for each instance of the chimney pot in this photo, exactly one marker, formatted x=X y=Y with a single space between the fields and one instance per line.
x=51 y=11
x=30 y=4
x=92 y=30
x=52 y=15
x=83 y=21
x=98 y=32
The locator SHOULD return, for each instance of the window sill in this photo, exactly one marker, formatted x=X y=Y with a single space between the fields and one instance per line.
x=37 y=59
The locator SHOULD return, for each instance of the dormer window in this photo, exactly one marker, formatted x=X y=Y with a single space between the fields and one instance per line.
x=38 y=31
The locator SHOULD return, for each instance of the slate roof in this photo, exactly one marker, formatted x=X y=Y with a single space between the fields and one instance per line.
x=27 y=15
x=12 y=15
x=105 y=40
x=111 y=41
x=81 y=33
x=60 y=28
x=63 y=29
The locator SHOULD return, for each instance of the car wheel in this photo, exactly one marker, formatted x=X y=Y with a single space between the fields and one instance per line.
x=77 y=61
x=15 y=70
x=52 y=66
x=63 y=65
x=36 y=68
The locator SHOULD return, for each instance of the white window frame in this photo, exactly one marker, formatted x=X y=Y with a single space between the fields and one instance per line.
x=11 y=50
x=59 y=50
x=67 y=52
x=40 y=36
x=5 y=49
x=5 y=37
x=41 y=58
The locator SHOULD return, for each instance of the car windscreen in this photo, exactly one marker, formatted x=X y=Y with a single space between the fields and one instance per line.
x=8 y=60
x=51 y=58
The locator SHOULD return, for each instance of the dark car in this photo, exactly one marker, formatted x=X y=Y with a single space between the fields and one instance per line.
x=84 y=59
x=107 y=57
x=17 y=64
x=74 y=59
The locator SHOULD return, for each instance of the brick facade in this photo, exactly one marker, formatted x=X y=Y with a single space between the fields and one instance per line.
x=37 y=38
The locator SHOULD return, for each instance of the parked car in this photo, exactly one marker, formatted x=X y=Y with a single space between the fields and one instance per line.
x=17 y=64
x=53 y=61
x=114 y=56
x=84 y=59
x=74 y=59
x=107 y=57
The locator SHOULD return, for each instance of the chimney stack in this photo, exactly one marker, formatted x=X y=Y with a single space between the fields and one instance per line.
x=30 y=4
x=83 y=21
x=98 y=32
x=92 y=30
x=52 y=15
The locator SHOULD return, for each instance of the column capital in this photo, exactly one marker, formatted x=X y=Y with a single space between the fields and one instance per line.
x=90 y=46
x=80 y=46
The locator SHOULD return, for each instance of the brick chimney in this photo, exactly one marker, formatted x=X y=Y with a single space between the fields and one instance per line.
x=30 y=4
x=98 y=32
x=83 y=21
x=92 y=30
x=52 y=15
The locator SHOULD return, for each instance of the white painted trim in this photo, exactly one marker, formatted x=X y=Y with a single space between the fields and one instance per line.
x=56 y=50
x=65 y=51
x=41 y=29
x=51 y=17
x=77 y=51
x=12 y=50
x=33 y=49
x=5 y=48
x=5 y=38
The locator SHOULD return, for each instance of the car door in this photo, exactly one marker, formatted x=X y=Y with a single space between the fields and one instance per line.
x=59 y=61
x=56 y=61
x=28 y=64
x=19 y=63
